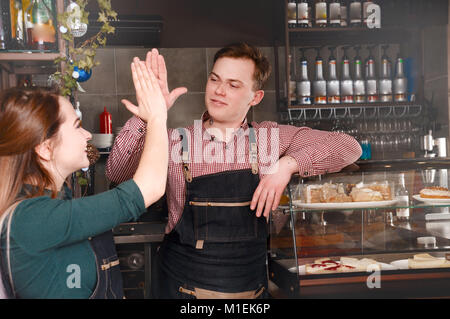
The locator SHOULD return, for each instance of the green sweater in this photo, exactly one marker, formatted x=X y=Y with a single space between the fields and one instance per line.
x=50 y=236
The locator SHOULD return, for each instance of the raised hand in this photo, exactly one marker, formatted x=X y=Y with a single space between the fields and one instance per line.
x=151 y=102
x=156 y=63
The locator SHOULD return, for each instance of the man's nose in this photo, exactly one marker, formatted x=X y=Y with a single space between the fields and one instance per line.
x=220 y=89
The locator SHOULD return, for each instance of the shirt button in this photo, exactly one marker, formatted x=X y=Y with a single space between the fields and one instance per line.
x=128 y=152
x=140 y=130
x=305 y=173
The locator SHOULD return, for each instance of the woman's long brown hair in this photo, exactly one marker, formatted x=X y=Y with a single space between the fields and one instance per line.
x=27 y=118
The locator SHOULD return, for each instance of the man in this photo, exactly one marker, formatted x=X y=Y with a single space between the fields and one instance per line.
x=225 y=176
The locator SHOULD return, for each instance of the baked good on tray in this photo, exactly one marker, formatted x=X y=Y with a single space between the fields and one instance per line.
x=435 y=192
x=341 y=193
x=345 y=264
x=427 y=261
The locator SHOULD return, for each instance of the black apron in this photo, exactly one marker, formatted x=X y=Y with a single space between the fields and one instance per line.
x=109 y=278
x=218 y=244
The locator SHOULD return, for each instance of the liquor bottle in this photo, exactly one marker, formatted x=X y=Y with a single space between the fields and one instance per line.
x=355 y=13
x=304 y=85
x=43 y=32
x=359 y=85
x=402 y=197
x=292 y=94
x=346 y=80
x=303 y=14
x=385 y=82
x=17 y=41
x=319 y=84
x=365 y=13
x=371 y=81
x=344 y=14
x=321 y=13
x=335 y=13
x=292 y=13
x=333 y=89
x=400 y=81
x=3 y=25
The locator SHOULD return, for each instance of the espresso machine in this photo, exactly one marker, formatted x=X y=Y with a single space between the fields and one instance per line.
x=435 y=147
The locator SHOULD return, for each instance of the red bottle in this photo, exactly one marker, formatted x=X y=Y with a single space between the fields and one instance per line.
x=105 y=122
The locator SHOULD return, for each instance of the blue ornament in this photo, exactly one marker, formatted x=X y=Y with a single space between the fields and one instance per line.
x=82 y=74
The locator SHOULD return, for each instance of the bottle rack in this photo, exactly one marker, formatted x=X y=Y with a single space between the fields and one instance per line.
x=351 y=111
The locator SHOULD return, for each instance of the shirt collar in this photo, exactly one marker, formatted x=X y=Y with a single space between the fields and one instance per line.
x=205 y=116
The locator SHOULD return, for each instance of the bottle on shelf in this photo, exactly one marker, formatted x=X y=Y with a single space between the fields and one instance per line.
x=385 y=82
x=319 y=83
x=292 y=14
x=303 y=14
x=321 y=13
x=344 y=13
x=371 y=80
x=402 y=197
x=333 y=85
x=400 y=81
x=355 y=13
x=346 y=80
x=17 y=41
x=43 y=33
x=105 y=122
x=335 y=13
x=292 y=95
x=359 y=85
x=366 y=150
x=3 y=25
x=304 y=85
x=365 y=13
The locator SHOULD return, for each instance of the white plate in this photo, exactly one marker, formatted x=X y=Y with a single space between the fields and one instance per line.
x=346 y=205
x=436 y=201
x=302 y=269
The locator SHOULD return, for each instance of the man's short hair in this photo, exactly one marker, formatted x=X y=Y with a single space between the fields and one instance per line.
x=246 y=51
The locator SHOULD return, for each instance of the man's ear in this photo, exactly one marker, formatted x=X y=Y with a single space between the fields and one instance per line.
x=44 y=150
x=257 y=98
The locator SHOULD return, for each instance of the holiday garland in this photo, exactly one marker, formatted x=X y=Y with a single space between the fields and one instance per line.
x=82 y=56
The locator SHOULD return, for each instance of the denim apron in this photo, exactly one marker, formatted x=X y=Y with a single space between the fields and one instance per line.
x=219 y=244
x=109 y=278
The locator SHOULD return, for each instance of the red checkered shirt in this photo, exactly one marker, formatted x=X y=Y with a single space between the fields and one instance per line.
x=316 y=152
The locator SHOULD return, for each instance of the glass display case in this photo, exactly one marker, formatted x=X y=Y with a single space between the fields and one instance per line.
x=380 y=231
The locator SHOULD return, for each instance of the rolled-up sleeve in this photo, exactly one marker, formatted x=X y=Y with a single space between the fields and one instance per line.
x=317 y=152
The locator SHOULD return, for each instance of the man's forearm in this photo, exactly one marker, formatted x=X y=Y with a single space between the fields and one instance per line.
x=126 y=153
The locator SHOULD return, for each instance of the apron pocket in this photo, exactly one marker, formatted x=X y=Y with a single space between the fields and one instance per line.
x=224 y=222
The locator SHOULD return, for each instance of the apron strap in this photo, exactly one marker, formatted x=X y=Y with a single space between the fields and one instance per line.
x=185 y=154
x=253 y=146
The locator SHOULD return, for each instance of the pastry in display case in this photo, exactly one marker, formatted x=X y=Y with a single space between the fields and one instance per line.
x=371 y=233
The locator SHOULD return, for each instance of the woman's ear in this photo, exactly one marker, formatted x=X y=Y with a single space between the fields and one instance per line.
x=257 y=98
x=44 y=150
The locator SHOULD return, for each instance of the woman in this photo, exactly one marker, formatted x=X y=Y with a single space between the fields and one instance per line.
x=62 y=248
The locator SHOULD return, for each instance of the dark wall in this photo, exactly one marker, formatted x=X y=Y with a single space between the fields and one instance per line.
x=212 y=23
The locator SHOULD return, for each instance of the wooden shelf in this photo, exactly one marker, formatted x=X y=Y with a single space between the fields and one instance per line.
x=347 y=36
x=28 y=56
